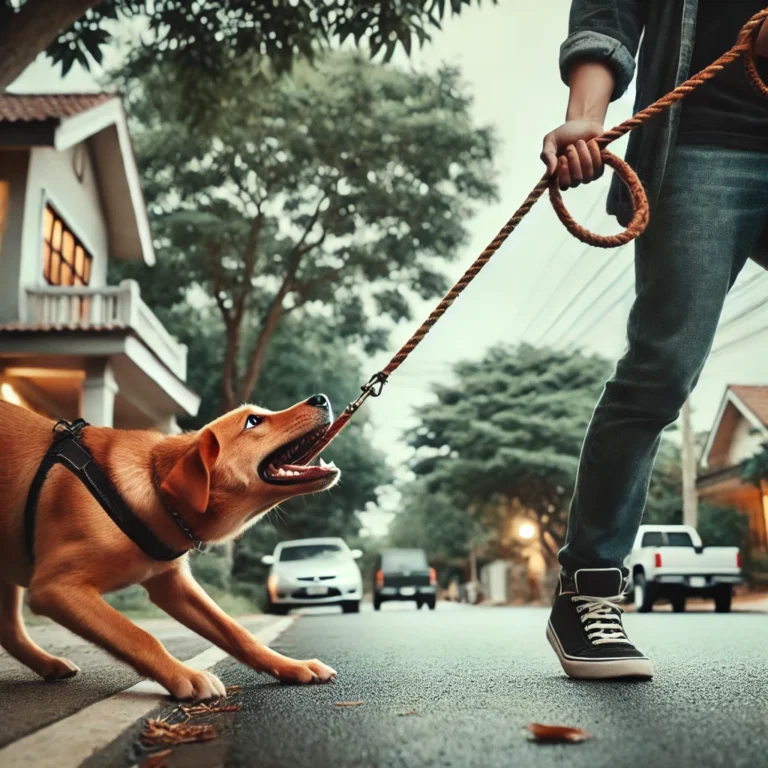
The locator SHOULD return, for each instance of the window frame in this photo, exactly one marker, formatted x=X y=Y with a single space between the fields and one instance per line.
x=51 y=255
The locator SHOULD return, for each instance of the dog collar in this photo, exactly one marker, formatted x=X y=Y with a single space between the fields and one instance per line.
x=197 y=544
x=68 y=450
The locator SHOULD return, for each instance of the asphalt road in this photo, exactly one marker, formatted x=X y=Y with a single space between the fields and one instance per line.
x=469 y=679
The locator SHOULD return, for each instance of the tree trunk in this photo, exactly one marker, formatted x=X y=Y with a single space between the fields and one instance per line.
x=30 y=31
x=229 y=376
x=271 y=321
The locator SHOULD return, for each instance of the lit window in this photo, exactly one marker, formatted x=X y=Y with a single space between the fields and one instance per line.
x=65 y=259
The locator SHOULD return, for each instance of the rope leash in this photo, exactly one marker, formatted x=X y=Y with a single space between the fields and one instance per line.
x=744 y=46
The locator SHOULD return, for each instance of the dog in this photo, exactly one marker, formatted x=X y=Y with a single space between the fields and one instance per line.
x=209 y=485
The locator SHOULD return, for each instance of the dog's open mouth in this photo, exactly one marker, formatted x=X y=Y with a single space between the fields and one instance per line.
x=284 y=467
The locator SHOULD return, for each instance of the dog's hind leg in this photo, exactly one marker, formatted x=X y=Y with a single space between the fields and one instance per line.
x=15 y=640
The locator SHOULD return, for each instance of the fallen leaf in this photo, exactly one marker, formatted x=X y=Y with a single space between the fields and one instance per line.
x=407 y=714
x=349 y=703
x=553 y=733
x=158 y=732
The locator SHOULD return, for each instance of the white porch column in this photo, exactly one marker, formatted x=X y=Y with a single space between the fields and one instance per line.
x=168 y=426
x=99 y=390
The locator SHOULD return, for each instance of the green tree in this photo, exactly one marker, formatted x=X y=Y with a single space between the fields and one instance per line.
x=510 y=426
x=755 y=470
x=336 y=193
x=202 y=38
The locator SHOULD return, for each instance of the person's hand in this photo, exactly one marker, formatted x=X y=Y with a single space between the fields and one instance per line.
x=570 y=151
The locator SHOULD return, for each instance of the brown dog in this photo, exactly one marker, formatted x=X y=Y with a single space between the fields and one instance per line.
x=219 y=481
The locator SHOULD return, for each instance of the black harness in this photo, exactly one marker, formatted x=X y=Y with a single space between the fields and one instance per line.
x=68 y=450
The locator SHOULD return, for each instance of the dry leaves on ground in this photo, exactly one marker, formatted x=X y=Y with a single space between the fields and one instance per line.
x=349 y=703
x=158 y=732
x=557 y=733
x=408 y=713
x=166 y=732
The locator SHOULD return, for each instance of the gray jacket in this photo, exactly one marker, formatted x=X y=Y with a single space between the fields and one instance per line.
x=610 y=30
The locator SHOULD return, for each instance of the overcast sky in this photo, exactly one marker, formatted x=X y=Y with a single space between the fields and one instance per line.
x=508 y=55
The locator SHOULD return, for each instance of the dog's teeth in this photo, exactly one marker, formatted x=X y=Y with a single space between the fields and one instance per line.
x=332 y=465
x=323 y=462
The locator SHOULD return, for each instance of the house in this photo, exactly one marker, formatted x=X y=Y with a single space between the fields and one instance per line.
x=740 y=429
x=70 y=200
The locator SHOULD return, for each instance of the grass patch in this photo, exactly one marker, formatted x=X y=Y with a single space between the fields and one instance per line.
x=134 y=603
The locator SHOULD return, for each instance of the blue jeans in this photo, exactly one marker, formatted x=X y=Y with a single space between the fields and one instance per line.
x=712 y=209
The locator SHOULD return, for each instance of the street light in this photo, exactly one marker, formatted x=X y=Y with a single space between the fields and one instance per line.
x=526 y=531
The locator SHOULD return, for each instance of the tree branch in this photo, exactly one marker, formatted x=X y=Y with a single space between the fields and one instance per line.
x=249 y=259
x=32 y=29
x=276 y=309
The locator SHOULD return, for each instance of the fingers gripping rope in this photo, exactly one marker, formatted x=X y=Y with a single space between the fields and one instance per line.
x=744 y=47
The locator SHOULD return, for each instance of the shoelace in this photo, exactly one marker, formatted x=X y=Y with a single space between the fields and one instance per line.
x=602 y=617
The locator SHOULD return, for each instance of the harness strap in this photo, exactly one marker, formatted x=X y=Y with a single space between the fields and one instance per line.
x=70 y=453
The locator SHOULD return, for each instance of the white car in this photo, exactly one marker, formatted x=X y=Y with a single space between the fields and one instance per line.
x=669 y=561
x=308 y=572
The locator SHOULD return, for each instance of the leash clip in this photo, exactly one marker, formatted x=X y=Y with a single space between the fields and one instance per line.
x=372 y=388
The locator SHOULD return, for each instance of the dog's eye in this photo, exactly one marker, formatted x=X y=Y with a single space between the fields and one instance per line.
x=252 y=420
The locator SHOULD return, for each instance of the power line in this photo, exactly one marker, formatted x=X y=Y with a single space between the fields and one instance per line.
x=591 y=306
x=564 y=279
x=590 y=281
x=552 y=256
x=760 y=304
x=613 y=306
x=741 y=339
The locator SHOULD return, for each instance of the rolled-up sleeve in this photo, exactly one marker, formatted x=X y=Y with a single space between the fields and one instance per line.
x=604 y=30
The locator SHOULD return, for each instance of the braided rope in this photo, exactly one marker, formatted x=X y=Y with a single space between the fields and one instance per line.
x=744 y=47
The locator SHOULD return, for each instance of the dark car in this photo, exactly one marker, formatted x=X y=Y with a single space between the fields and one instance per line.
x=404 y=574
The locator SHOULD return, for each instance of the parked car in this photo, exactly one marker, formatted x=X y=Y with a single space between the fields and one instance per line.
x=309 y=572
x=669 y=561
x=404 y=574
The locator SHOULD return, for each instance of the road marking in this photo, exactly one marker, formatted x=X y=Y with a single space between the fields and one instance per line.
x=68 y=742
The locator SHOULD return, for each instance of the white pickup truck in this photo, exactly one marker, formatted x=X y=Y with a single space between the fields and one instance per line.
x=669 y=561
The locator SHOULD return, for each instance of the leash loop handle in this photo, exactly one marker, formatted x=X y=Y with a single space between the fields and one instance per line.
x=640 y=215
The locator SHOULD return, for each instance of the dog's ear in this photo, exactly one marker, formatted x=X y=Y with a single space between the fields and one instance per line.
x=189 y=482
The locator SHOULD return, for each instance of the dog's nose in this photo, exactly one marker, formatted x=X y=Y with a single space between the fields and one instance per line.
x=319 y=401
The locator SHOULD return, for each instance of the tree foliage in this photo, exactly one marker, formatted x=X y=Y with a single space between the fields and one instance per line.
x=338 y=193
x=755 y=469
x=507 y=431
x=203 y=38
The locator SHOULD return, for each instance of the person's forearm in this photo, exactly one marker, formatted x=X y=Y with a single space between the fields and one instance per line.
x=592 y=84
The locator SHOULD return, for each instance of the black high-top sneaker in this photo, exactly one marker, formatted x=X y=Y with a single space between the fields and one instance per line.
x=585 y=627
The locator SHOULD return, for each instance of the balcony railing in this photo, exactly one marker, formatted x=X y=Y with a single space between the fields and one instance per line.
x=109 y=307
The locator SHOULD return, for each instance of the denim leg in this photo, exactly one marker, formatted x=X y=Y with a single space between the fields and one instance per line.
x=710 y=214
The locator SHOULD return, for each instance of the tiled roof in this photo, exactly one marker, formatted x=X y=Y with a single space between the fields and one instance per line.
x=29 y=107
x=755 y=398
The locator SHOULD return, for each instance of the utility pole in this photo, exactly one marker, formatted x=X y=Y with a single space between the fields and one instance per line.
x=690 y=499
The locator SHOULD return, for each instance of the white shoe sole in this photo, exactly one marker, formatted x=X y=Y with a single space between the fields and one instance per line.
x=599 y=670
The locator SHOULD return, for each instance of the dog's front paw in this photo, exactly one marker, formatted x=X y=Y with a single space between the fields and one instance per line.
x=192 y=685
x=305 y=672
x=58 y=669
